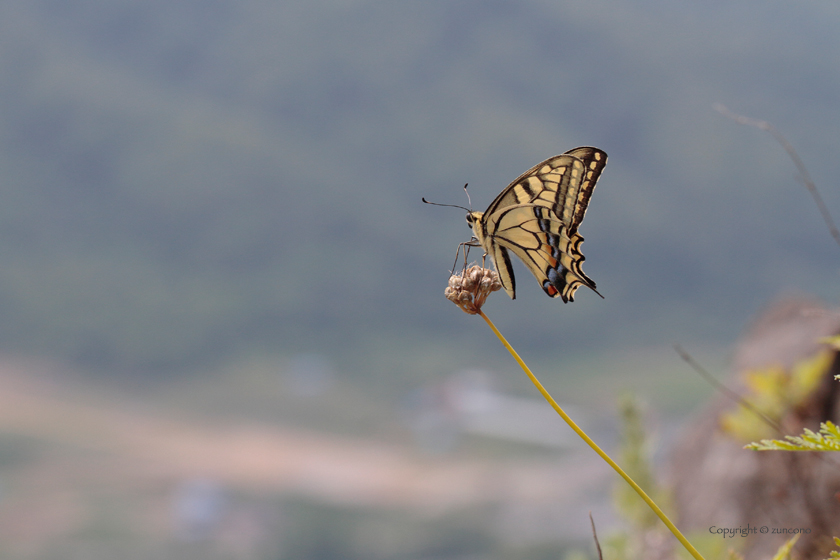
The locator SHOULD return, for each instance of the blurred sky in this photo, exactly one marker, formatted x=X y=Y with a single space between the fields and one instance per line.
x=190 y=184
x=193 y=178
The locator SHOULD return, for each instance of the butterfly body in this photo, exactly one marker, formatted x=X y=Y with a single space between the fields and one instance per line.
x=537 y=217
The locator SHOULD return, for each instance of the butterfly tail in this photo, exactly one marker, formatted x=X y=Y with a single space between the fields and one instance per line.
x=567 y=275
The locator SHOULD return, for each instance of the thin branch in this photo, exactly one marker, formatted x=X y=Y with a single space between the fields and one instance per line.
x=803 y=171
x=595 y=536
x=724 y=389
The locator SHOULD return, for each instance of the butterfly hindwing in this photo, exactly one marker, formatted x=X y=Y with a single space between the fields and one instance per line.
x=501 y=259
x=537 y=217
x=540 y=240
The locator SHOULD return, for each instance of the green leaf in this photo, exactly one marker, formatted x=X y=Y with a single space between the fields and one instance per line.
x=784 y=551
x=834 y=553
x=828 y=439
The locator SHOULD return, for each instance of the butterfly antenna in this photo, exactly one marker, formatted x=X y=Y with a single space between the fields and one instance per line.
x=452 y=205
x=468 y=195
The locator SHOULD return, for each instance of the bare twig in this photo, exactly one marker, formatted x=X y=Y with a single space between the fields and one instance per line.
x=724 y=389
x=803 y=171
x=595 y=536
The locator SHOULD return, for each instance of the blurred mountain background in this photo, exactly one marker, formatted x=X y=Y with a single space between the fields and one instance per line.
x=213 y=207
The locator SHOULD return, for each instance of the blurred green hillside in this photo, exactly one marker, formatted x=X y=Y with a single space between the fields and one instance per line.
x=188 y=181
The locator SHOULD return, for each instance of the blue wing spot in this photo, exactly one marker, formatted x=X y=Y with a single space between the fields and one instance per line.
x=556 y=279
x=543 y=223
x=554 y=242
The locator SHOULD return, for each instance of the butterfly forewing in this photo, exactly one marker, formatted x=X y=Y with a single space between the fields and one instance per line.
x=546 y=184
x=594 y=161
x=537 y=217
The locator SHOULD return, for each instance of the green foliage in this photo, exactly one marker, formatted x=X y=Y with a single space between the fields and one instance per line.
x=784 y=551
x=634 y=459
x=835 y=553
x=773 y=391
x=828 y=439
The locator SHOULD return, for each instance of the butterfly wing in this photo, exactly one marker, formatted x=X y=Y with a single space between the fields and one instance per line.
x=535 y=235
x=562 y=183
x=594 y=161
x=551 y=200
x=501 y=259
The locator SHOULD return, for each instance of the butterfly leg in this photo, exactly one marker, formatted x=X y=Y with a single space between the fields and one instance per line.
x=457 y=254
x=462 y=278
x=466 y=246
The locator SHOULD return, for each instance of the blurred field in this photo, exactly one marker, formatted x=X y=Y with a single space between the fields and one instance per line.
x=95 y=468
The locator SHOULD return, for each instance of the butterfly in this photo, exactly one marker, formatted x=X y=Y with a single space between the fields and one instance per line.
x=537 y=217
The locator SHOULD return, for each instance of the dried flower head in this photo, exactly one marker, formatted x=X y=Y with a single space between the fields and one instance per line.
x=469 y=289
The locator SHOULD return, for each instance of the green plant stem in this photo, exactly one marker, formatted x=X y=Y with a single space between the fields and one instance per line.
x=659 y=513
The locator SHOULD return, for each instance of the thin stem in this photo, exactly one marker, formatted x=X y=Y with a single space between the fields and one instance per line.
x=797 y=161
x=595 y=536
x=659 y=513
x=732 y=395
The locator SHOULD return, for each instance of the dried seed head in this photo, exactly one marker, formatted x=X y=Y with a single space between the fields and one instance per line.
x=469 y=289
